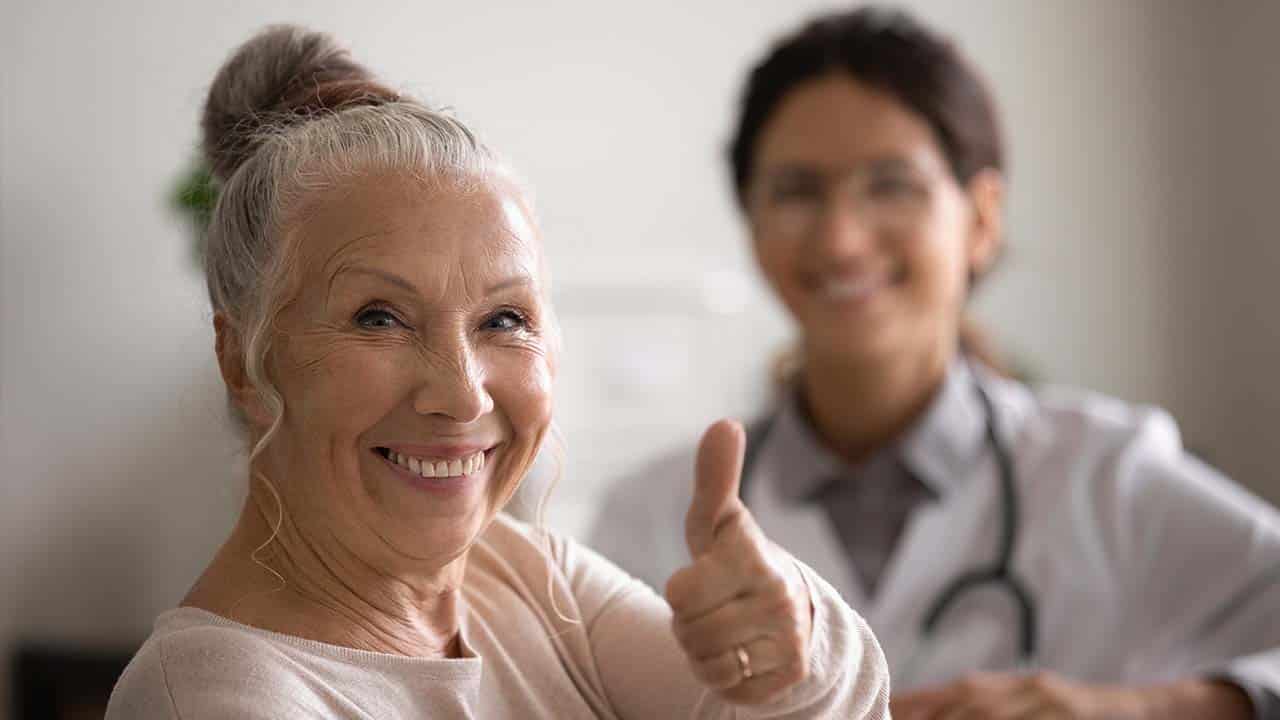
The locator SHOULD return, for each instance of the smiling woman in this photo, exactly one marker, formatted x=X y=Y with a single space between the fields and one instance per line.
x=387 y=344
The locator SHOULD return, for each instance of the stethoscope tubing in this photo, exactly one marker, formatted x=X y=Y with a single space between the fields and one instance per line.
x=998 y=573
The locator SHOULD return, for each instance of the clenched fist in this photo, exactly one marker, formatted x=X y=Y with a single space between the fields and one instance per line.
x=742 y=611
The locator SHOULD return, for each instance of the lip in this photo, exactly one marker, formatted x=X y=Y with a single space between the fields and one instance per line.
x=440 y=451
x=439 y=485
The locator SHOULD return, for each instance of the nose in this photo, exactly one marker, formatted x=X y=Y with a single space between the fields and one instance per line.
x=842 y=230
x=453 y=386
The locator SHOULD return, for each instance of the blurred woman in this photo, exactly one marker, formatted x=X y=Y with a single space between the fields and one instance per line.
x=980 y=526
x=384 y=334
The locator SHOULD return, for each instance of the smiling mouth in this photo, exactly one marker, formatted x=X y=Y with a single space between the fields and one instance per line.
x=854 y=288
x=436 y=467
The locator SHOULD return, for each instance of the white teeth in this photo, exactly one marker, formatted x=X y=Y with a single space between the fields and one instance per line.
x=852 y=288
x=469 y=465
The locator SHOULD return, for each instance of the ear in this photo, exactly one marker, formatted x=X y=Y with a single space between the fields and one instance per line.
x=229 y=347
x=986 y=236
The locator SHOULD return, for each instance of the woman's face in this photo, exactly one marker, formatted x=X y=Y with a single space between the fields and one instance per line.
x=416 y=366
x=860 y=227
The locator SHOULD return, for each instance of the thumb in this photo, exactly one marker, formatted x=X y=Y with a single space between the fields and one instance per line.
x=715 y=491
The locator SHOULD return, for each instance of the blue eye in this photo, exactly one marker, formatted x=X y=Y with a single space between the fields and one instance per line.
x=376 y=319
x=505 y=321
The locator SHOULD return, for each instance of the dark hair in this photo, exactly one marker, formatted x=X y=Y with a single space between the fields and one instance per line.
x=890 y=51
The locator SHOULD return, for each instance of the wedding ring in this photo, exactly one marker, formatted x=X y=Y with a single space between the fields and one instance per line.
x=744 y=662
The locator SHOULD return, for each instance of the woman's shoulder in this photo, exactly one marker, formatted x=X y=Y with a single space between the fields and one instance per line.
x=1132 y=454
x=521 y=557
x=1088 y=423
x=198 y=664
x=532 y=551
x=188 y=636
x=190 y=660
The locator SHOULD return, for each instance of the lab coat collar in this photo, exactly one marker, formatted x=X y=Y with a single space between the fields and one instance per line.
x=939 y=450
x=948 y=441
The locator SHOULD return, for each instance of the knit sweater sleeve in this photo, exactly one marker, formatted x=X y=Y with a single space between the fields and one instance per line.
x=646 y=674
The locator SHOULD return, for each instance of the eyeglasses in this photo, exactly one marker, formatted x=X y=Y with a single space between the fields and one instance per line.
x=791 y=202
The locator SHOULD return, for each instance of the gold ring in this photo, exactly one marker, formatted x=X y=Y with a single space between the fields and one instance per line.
x=744 y=662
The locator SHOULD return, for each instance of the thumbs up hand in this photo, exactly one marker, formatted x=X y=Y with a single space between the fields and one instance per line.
x=741 y=609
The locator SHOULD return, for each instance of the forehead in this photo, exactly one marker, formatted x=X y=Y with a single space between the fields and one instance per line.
x=482 y=227
x=835 y=121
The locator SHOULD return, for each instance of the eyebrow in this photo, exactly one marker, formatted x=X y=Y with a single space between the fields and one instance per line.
x=389 y=277
x=882 y=163
x=404 y=284
x=513 y=281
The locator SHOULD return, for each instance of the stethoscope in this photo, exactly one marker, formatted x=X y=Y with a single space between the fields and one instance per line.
x=998 y=574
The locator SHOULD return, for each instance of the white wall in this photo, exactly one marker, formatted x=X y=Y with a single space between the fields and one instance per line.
x=120 y=474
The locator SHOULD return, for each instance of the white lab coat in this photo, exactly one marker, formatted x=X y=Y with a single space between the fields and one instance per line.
x=1128 y=544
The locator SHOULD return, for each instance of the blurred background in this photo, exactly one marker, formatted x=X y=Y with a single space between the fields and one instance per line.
x=1145 y=139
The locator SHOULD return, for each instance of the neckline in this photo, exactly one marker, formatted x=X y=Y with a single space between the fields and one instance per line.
x=186 y=616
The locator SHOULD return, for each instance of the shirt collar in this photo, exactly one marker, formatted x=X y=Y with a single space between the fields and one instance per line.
x=797 y=455
x=939 y=449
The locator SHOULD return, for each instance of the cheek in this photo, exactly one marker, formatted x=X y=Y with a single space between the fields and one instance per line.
x=537 y=395
x=522 y=388
x=937 y=260
x=340 y=384
x=776 y=261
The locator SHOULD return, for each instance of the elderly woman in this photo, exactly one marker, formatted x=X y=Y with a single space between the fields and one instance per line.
x=385 y=338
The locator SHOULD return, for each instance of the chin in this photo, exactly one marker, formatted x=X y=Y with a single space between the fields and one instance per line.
x=435 y=540
x=857 y=346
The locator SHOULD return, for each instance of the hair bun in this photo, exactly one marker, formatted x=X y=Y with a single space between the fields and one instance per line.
x=282 y=75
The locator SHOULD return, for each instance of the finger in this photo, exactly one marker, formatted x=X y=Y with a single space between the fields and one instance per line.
x=707 y=584
x=961 y=712
x=917 y=710
x=984 y=709
x=1004 y=708
x=726 y=670
x=740 y=545
x=1027 y=704
x=717 y=477
x=947 y=700
x=990 y=697
x=766 y=688
x=923 y=704
x=772 y=613
x=977 y=708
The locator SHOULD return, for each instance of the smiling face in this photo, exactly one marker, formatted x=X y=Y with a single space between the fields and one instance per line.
x=415 y=363
x=860 y=227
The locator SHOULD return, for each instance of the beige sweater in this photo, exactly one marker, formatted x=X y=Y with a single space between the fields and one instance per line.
x=520 y=659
